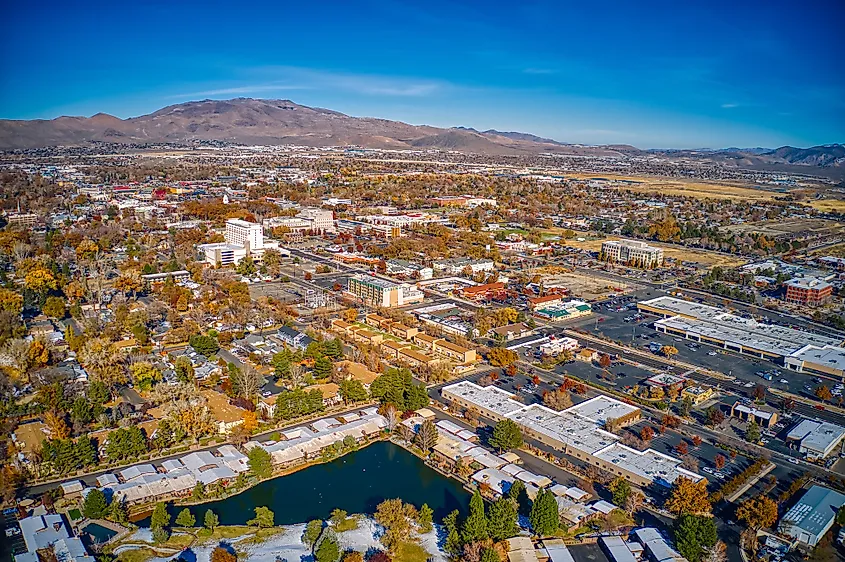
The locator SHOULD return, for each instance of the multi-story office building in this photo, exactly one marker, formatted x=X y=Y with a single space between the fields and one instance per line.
x=243 y=238
x=808 y=291
x=380 y=292
x=22 y=220
x=309 y=219
x=244 y=233
x=632 y=252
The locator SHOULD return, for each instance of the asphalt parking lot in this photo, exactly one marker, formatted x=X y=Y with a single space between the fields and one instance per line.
x=641 y=333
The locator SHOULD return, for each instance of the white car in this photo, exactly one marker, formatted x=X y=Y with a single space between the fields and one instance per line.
x=783 y=381
x=712 y=353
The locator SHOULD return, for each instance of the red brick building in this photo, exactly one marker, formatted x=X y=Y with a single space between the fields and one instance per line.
x=808 y=291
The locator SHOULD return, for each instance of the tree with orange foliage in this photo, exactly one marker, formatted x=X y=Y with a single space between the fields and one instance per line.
x=250 y=421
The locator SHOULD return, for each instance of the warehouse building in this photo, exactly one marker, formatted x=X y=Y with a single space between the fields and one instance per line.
x=711 y=325
x=809 y=519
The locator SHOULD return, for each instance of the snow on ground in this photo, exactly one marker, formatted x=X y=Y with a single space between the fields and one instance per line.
x=288 y=545
x=431 y=542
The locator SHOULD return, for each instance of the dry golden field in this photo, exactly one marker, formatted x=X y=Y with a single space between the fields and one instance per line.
x=675 y=186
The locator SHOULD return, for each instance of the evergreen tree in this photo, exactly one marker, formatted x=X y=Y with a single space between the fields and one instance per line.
x=160 y=518
x=693 y=535
x=327 y=548
x=118 y=512
x=621 y=489
x=264 y=517
x=545 y=518
x=453 y=545
x=260 y=463
x=506 y=435
x=186 y=518
x=489 y=555
x=322 y=367
x=210 y=521
x=95 y=505
x=86 y=452
x=502 y=519
x=425 y=518
x=475 y=527
x=519 y=494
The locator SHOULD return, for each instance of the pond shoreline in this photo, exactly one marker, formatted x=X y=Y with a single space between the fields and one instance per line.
x=355 y=482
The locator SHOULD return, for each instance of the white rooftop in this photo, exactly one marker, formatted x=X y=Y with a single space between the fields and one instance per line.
x=602 y=408
x=830 y=356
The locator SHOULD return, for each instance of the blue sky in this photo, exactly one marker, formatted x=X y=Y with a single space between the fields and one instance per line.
x=650 y=74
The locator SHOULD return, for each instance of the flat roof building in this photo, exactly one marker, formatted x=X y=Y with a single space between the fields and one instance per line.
x=632 y=252
x=815 y=439
x=808 y=291
x=809 y=519
x=828 y=360
x=576 y=431
x=381 y=292
x=714 y=326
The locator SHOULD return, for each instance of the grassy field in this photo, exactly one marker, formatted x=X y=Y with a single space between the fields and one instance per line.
x=703 y=257
x=675 y=186
x=837 y=251
x=829 y=205
x=411 y=552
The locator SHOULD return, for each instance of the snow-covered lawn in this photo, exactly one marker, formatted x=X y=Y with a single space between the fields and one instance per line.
x=287 y=545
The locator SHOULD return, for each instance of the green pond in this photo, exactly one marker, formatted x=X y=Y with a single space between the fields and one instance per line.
x=356 y=483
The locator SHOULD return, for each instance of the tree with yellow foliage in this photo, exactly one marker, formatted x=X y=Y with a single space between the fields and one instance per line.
x=11 y=301
x=38 y=354
x=57 y=425
x=688 y=497
x=87 y=249
x=40 y=281
x=250 y=421
x=759 y=512
x=129 y=283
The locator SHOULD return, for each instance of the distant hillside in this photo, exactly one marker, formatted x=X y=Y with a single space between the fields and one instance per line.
x=252 y=121
x=822 y=156
x=255 y=121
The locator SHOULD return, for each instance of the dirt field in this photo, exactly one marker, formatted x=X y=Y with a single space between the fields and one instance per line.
x=703 y=257
x=829 y=205
x=584 y=286
x=675 y=186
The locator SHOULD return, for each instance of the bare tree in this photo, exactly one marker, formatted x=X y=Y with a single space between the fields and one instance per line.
x=392 y=417
x=426 y=437
x=246 y=381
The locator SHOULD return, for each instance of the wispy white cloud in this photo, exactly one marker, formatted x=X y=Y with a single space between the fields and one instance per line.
x=539 y=71
x=243 y=90
x=729 y=105
x=364 y=84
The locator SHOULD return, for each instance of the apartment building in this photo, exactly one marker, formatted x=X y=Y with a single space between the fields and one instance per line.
x=808 y=291
x=22 y=220
x=633 y=252
x=375 y=291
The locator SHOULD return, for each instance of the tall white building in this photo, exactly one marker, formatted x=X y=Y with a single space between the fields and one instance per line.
x=247 y=234
x=243 y=238
x=633 y=252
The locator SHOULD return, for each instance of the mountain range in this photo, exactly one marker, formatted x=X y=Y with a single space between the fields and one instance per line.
x=257 y=121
